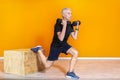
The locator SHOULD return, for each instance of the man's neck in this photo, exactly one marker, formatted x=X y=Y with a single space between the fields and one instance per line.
x=65 y=19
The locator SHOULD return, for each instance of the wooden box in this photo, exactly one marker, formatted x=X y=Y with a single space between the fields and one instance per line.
x=21 y=62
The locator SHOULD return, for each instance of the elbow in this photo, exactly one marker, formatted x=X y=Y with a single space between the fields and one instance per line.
x=61 y=39
x=75 y=38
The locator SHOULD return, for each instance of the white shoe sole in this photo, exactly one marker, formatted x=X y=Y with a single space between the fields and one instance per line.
x=71 y=78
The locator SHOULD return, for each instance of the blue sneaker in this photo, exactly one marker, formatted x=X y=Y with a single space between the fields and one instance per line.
x=35 y=49
x=72 y=76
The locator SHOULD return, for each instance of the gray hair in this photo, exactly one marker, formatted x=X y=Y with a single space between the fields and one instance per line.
x=64 y=10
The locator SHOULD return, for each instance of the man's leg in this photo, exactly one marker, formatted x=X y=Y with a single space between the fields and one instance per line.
x=74 y=53
x=45 y=62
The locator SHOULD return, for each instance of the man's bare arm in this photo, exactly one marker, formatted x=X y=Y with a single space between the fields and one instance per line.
x=75 y=33
x=61 y=35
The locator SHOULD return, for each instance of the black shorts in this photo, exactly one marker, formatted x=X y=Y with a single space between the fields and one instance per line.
x=55 y=51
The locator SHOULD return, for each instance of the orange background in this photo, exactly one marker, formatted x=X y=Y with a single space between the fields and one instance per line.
x=27 y=23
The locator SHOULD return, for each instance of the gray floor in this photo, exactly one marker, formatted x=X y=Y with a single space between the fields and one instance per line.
x=86 y=69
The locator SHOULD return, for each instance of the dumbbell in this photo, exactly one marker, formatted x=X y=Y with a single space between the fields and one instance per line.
x=59 y=21
x=75 y=23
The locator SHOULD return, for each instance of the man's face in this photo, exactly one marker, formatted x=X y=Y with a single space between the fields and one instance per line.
x=67 y=15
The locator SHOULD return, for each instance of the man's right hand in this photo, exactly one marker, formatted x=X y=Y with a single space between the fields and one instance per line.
x=64 y=23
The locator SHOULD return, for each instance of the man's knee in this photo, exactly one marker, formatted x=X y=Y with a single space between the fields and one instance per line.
x=75 y=53
x=49 y=64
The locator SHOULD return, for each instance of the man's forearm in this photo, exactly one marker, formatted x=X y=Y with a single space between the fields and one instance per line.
x=75 y=34
x=62 y=34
